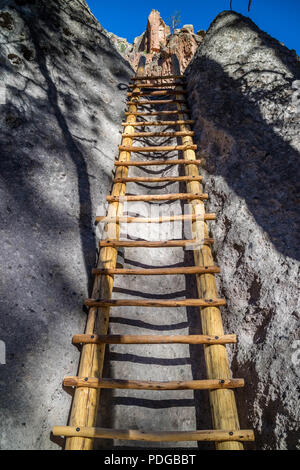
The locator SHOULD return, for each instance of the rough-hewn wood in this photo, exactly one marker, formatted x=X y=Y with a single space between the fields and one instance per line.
x=152 y=244
x=158 y=436
x=152 y=102
x=154 y=303
x=139 y=135
x=158 y=197
x=159 y=77
x=159 y=123
x=153 y=339
x=161 y=148
x=158 y=271
x=93 y=382
x=159 y=162
x=156 y=113
x=85 y=401
x=223 y=404
x=156 y=93
x=159 y=179
x=155 y=220
x=157 y=85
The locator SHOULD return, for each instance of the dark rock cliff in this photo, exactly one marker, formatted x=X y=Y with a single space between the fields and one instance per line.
x=63 y=88
x=243 y=95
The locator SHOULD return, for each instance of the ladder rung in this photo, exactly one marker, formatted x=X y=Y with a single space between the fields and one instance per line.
x=156 y=93
x=157 y=85
x=161 y=179
x=158 y=244
x=159 y=271
x=153 y=339
x=154 y=220
x=170 y=148
x=158 y=77
x=138 y=135
x=159 y=162
x=93 y=382
x=142 y=103
x=159 y=123
x=158 y=197
x=154 y=303
x=156 y=113
x=155 y=244
x=154 y=436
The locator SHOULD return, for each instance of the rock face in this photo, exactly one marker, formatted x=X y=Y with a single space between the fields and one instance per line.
x=157 y=32
x=243 y=88
x=62 y=95
x=159 y=46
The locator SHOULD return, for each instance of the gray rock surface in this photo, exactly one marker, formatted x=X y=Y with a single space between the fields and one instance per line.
x=62 y=95
x=242 y=88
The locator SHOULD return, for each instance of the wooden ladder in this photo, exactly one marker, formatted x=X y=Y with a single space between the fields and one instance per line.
x=82 y=430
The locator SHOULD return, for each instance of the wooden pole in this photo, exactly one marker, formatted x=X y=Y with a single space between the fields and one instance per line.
x=156 y=244
x=155 y=220
x=157 y=271
x=85 y=402
x=93 y=382
x=158 y=123
x=153 y=339
x=223 y=404
x=154 y=303
x=157 y=197
x=158 y=436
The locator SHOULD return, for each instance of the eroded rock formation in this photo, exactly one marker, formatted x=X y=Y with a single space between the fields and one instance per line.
x=159 y=46
x=242 y=88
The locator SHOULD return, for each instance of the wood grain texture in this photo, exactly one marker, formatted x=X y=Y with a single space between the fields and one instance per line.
x=223 y=404
x=159 y=163
x=139 y=135
x=154 y=244
x=158 y=197
x=158 y=271
x=160 y=148
x=158 y=436
x=93 y=382
x=159 y=123
x=85 y=401
x=155 y=220
x=159 y=77
x=154 y=303
x=153 y=339
x=153 y=102
x=156 y=93
x=158 y=179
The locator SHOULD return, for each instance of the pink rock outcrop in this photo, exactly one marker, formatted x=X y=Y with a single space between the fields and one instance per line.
x=160 y=47
x=157 y=32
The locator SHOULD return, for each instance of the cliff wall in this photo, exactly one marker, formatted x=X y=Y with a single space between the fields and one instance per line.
x=63 y=89
x=242 y=89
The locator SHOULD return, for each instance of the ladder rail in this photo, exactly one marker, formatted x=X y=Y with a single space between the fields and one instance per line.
x=85 y=402
x=223 y=403
x=81 y=430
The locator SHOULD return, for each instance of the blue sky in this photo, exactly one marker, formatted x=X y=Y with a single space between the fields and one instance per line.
x=279 y=18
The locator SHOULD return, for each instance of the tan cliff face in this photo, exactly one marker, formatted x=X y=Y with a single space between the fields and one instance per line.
x=160 y=47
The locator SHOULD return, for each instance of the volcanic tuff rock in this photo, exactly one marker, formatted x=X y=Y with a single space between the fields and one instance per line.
x=159 y=46
x=243 y=88
x=63 y=89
